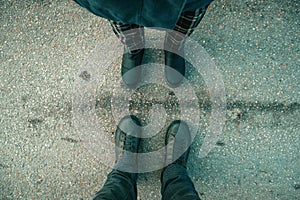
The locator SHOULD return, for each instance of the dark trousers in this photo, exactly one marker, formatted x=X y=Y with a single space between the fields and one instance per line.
x=132 y=35
x=175 y=185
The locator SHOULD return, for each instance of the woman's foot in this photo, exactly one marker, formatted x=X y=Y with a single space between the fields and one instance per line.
x=131 y=67
x=175 y=69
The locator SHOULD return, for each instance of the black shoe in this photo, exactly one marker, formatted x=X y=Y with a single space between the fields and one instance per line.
x=127 y=141
x=175 y=71
x=131 y=70
x=179 y=135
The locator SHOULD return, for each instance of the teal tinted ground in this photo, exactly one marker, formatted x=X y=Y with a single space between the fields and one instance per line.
x=255 y=44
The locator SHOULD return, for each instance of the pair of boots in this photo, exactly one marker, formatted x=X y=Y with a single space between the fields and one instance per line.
x=127 y=141
x=174 y=70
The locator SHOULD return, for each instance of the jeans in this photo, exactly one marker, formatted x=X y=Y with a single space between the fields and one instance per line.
x=175 y=185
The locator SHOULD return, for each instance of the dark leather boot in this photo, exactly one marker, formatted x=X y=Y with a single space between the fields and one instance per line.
x=127 y=141
x=179 y=135
x=175 y=71
x=131 y=70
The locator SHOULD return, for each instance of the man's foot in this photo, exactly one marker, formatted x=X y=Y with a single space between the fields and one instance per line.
x=178 y=135
x=175 y=69
x=131 y=70
x=127 y=143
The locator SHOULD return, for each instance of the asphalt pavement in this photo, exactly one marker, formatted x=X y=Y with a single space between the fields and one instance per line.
x=44 y=47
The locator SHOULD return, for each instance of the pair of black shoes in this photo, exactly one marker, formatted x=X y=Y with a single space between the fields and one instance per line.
x=177 y=142
x=131 y=72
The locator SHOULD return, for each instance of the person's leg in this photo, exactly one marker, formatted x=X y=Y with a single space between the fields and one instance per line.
x=174 y=45
x=176 y=183
x=132 y=36
x=119 y=185
x=121 y=182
